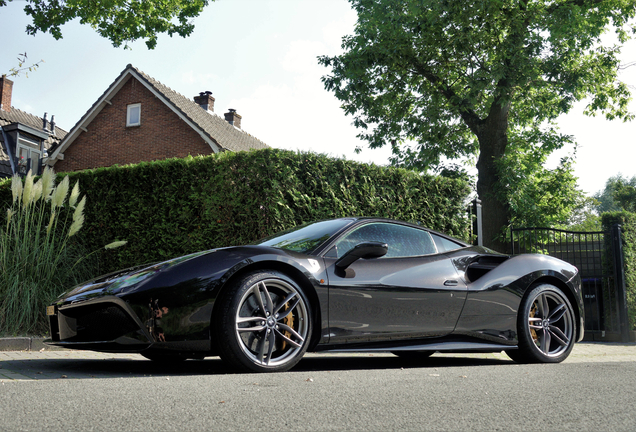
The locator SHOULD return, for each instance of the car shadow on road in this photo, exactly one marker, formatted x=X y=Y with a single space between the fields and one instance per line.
x=365 y=362
x=136 y=366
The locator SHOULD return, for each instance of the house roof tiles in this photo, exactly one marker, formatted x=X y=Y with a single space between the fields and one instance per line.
x=217 y=128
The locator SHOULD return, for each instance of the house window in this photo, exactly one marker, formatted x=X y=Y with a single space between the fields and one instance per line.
x=133 y=115
x=29 y=155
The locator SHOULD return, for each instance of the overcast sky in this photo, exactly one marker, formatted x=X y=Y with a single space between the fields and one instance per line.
x=258 y=57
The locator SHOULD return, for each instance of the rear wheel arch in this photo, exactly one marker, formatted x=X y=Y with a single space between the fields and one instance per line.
x=288 y=270
x=546 y=325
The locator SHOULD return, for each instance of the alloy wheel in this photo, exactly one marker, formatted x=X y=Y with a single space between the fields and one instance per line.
x=272 y=322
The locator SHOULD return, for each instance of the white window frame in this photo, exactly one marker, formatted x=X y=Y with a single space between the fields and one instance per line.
x=27 y=144
x=129 y=109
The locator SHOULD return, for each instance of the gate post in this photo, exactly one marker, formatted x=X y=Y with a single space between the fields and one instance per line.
x=619 y=278
x=477 y=224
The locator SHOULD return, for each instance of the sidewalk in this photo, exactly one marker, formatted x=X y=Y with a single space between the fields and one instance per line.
x=24 y=344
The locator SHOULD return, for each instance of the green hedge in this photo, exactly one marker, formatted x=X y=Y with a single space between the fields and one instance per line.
x=176 y=206
x=627 y=221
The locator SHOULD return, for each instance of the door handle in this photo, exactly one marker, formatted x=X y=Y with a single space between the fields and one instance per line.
x=450 y=282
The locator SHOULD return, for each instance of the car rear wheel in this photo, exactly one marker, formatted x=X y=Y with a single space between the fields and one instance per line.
x=546 y=326
x=264 y=323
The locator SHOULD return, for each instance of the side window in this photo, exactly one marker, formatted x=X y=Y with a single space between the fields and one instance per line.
x=133 y=115
x=445 y=245
x=403 y=241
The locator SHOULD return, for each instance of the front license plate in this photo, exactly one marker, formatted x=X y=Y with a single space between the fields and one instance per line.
x=50 y=310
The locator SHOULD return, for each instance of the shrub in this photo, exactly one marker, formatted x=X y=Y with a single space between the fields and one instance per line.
x=172 y=207
x=627 y=221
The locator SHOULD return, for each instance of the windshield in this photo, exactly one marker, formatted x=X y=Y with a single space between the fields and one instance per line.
x=305 y=238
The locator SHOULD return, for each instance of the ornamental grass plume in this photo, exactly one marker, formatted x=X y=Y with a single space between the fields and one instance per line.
x=38 y=260
x=16 y=191
x=74 y=195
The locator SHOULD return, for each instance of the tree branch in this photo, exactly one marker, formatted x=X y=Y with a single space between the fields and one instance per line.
x=468 y=115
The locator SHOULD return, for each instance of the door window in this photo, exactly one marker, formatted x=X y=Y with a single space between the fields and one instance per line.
x=403 y=241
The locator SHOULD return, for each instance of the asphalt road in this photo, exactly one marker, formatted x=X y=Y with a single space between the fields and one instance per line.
x=593 y=390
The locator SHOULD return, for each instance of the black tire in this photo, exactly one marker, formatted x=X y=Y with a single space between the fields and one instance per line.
x=264 y=323
x=546 y=326
x=413 y=355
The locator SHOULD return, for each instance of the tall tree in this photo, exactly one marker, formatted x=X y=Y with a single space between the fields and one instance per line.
x=619 y=194
x=120 y=21
x=450 y=79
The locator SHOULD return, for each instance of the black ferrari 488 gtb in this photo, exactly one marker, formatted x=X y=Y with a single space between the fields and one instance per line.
x=350 y=284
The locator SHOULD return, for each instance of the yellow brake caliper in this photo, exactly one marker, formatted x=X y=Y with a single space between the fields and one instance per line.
x=535 y=337
x=289 y=321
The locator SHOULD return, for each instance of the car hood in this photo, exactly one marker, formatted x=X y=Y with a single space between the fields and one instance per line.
x=120 y=282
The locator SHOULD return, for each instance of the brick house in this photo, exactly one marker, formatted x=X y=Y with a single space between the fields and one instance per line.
x=25 y=139
x=139 y=119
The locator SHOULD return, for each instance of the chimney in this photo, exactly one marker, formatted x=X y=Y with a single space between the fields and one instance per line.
x=205 y=101
x=6 y=88
x=53 y=125
x=45 y=123
x=233 y=118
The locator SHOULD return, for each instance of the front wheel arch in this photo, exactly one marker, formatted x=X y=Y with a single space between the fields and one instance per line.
x=288 y=270
x=265 y=322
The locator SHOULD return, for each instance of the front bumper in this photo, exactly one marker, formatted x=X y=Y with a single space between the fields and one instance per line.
x=103 y=324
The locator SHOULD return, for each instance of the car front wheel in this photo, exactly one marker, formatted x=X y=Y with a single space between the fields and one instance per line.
x=264 y=323
x=546 y=326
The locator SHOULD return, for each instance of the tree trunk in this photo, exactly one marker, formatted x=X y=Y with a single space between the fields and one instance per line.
x=493 y=140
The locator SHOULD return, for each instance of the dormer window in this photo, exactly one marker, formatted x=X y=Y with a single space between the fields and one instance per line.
x=29 y=154
x=133 y=115
x=24 y=146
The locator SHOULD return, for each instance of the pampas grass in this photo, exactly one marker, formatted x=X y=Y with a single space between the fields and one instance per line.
x=38 y=257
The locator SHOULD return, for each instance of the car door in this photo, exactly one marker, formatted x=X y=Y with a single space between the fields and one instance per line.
x=411 y=292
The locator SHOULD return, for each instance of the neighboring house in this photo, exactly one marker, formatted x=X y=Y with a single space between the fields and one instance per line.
x=139 y=119
x=25 y=139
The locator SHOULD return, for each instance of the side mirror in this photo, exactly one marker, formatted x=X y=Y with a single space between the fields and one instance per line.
x=362 y=250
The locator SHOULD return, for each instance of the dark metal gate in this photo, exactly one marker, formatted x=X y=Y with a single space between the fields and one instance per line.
x=598 y=256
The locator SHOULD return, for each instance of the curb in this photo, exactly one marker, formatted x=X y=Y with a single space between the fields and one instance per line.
x=25 y=344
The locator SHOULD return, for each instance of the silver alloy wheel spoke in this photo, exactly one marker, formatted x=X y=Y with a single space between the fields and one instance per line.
x=284 y=302
x=272 y=343
x=261 y=350
x=560 y=337
x=544 y=308
x=241 y=320
x=288 y=311
x=546 y=340
x=557 y=313
x=292 y=331
x=289 y=341
x=257 y=293
x=250 y=329
x=268 y=299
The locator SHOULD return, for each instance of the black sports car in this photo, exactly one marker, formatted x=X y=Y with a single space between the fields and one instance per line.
x=351 y=284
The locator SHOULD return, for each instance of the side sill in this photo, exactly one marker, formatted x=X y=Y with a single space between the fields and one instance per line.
x=440 y=346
